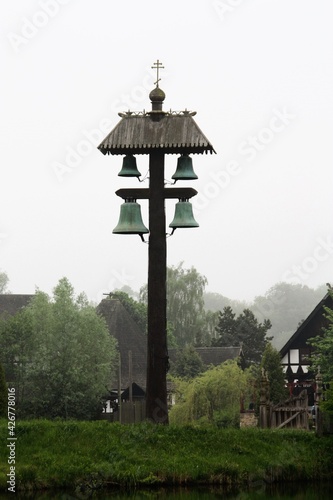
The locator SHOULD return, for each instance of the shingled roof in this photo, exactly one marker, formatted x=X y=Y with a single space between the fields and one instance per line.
x=11 y=303
x=130 y=338
x=141 y=134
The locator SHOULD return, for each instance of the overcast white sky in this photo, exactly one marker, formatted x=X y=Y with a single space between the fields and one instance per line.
x=259 y=73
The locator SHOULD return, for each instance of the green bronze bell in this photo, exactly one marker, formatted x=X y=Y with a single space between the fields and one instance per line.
x=130 y=219
x=184 y=169
x=129 y=168
x=183 y=216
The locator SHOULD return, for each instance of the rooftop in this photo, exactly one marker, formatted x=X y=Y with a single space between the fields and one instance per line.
x=141 y=133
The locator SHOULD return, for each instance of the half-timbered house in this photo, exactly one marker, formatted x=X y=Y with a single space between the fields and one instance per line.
x=296 y=351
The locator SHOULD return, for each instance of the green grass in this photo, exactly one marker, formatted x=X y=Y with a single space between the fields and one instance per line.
x=68 y=454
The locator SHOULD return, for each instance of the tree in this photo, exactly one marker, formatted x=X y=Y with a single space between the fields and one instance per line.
x=188 y=363
x=185 y=304
x=61 y=356
x=214 y=396
x=3 y=393
x=4 y=280
x=322 y=358
x=226 y=328
x=244 y=330
x=16 y=348
x=271 y=363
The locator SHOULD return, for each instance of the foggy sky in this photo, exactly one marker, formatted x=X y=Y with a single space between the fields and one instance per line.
x=259 y=75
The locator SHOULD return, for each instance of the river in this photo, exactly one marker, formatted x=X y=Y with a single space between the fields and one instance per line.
x=285 y=491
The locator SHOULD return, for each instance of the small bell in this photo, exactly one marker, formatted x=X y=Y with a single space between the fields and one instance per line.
x=184 y=169
x=183 y=216
x=129 y=168
x=130 y=219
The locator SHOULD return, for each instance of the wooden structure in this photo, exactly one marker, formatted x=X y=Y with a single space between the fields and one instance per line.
x=296 y=352
x=132 y=346
x=156 y=133
x=291 y=413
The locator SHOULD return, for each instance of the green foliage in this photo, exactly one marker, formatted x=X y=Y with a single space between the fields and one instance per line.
x=226 y=329
x=210 y=397
x=71 y=454
x=322 y=357
x=327 y=404
x=188 y=364
x=16 y=347
x=251 y=396
x=3 y=393
x=243 y=330
x=271 y=363
x=59 y=354
x=323 y=348
x=211 y=322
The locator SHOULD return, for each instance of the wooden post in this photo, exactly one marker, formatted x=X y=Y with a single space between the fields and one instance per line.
x=130 y=377
x=263 y=401
x=157 y=353
x=318 y=398
x=119 y=389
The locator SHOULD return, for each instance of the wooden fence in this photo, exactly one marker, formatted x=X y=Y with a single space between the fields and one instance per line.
x=291 y=413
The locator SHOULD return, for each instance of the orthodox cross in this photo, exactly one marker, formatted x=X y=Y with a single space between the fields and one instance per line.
x=157 y=66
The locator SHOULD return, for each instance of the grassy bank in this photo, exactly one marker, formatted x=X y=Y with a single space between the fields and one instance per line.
x=92 y=454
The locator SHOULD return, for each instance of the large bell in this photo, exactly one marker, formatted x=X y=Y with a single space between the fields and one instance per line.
x=130 y=219
x=129 y=168
x=183 y=216
x=184 y=169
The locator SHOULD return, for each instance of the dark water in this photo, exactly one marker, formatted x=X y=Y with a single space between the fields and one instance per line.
x=321 y=491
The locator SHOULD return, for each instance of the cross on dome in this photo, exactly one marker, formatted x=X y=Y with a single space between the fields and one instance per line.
x=157 y=66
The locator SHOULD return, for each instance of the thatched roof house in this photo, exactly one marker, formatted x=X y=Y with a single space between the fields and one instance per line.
x=132 y=342
x=11 y=303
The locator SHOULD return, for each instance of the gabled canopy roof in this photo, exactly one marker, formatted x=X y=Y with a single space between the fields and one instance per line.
x=166 y=132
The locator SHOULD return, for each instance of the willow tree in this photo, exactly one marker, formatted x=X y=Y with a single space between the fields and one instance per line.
x=214 y=396
x=185 y=306
x=4 y=280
